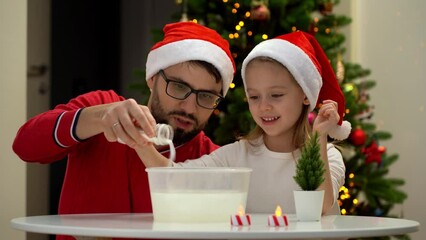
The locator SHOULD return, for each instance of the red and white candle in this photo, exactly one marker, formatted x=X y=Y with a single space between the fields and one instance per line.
x=240 y=219
x=278 y=219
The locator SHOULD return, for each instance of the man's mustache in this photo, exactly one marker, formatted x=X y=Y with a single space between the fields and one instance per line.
x=184 y=114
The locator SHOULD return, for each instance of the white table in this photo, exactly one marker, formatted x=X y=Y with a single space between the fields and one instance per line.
x=85 y=226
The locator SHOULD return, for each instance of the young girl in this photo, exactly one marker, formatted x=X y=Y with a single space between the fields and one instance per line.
x=284 y=78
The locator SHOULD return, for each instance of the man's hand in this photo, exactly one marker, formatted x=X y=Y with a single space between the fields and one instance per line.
x=120 y=120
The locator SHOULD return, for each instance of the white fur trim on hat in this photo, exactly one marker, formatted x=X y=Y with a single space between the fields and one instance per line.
x=187 y=50
x=341 y=132
x=299 y=65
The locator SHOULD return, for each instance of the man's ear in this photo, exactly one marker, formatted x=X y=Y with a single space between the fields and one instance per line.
x=150 y=83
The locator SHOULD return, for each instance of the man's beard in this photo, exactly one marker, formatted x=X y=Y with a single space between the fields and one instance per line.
x=179 y=135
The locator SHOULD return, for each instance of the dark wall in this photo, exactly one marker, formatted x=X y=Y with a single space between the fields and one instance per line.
x=85 y=56
x=85 y=47
x=138 y=19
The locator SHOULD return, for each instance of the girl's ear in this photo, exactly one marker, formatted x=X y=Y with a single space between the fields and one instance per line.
x=306 y=101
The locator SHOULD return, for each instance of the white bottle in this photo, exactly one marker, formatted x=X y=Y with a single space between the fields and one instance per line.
x=164 y=136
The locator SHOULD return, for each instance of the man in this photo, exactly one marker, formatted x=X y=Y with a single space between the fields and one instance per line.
x=188 y=73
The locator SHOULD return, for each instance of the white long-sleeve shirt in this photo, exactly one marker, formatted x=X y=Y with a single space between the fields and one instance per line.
x=271 y=182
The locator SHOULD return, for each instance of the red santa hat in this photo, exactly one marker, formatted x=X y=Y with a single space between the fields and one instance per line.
x=186 y=41
x=304 y=58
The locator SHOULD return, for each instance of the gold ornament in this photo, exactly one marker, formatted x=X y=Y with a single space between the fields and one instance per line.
x=184 y=17
x=340 y=69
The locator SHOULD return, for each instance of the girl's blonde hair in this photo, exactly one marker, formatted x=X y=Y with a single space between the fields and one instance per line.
x=302 y=128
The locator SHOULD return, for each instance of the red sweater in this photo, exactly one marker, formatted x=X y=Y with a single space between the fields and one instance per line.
x=101 y=177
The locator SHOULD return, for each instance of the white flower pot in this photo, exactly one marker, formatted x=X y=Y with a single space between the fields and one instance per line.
x=308 y=205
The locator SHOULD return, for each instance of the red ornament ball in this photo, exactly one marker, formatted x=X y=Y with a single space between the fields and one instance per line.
x=311 y=117
x=358 y=137
x=326 y=8
x=260 y=12
x=381 y=149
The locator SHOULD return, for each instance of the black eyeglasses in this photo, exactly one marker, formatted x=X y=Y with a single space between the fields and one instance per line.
x=180 y=91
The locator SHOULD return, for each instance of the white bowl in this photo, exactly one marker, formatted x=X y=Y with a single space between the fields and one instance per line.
x=197 y=195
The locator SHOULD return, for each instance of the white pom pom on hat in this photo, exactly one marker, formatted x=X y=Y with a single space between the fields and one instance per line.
x=186 y=41
x=304 y=58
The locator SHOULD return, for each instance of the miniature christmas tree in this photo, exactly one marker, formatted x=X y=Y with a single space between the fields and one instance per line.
x=310 y=168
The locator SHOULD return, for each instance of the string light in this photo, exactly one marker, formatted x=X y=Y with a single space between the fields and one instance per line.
x=194 y=20
x=247 y=15
x=355 y=201
x=264 y=36
x=238 y=27
x=236 y=5
x=343 y=211
x=351 y=175
x=241 y=23
x=294 y=28
x=234 y=11
x=249 y=33
x=232 y=85
x=231 y=36
x=225 y=1
x=328 y=30
x=345 y=194
x=236 y=35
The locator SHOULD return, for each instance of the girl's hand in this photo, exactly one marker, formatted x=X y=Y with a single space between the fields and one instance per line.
x=327 y=117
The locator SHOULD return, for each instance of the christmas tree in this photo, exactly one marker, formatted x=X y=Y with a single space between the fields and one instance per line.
x=245 y=23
